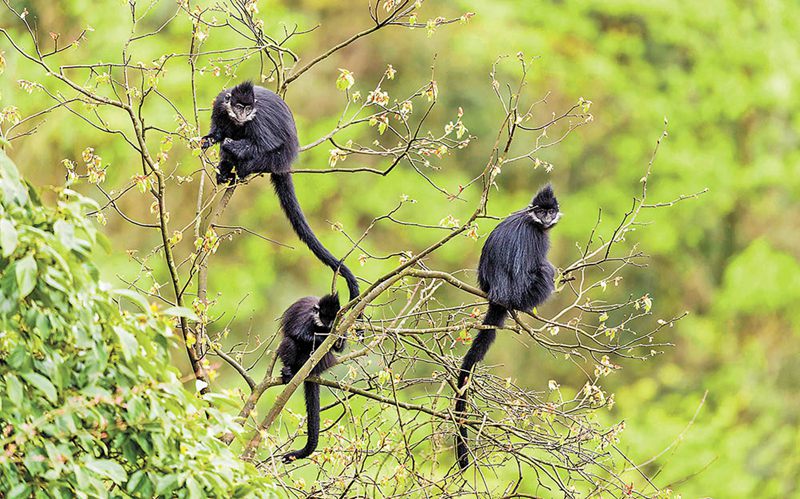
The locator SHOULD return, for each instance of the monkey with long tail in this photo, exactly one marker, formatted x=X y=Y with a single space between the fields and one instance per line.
x=515 y=274
x=257 y=134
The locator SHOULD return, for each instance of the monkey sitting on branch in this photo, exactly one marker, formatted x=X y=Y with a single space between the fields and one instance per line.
x=305 y=325
x=515 y=274
x=258 y=135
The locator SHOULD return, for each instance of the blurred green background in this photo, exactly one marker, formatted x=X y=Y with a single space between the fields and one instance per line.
x=726 y=75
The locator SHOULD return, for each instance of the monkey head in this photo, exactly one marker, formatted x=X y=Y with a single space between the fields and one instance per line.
x=543 y=209
x=240 y=103
x=326 y=309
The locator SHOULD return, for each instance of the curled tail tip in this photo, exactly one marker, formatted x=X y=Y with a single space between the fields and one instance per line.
x=293 y=456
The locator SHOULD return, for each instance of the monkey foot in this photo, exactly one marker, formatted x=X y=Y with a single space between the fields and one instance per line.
x=223 y=179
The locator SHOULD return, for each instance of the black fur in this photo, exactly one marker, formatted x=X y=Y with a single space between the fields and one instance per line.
x=284 y=188
x=305 y=325
x=515 y=273
x=258 y=135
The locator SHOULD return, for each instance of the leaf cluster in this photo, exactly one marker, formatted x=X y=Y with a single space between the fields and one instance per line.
x=88 y=402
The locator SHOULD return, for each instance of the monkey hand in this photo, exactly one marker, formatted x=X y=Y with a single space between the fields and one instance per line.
x=207 y=142
x=286 y=375
x=224 y=177
x=339 y=344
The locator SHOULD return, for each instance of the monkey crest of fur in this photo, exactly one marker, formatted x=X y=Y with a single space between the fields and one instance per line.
x=515 y=274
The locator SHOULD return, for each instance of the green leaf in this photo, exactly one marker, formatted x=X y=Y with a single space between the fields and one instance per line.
x=104 y=242
x=8 y=237
x=59 y=259
x=136 y=408
x=65 y=232
x=8 y=169
x=128 y=342
x=10 y=184
x=81 y=476
x=137 y=478
x=345 y=79
x=181 y=312
x=72 y=362
x=19 y=491
x=26 y=275
x=195 y=490
x=109 y=469
x=14 y=388
x=43 y=384
x=167 y=483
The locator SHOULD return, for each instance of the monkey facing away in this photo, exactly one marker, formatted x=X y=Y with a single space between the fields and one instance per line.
x=257 y=134
x=305 y=325
x=515 y=274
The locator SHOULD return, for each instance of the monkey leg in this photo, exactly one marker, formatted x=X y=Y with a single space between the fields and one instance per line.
x=287 y=373
x=225 y=172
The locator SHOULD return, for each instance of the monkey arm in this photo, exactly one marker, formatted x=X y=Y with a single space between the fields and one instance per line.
x=339 y=344
x=241 y=150
x=287 y=352
x=319 y=335
x=310 y=338
x=214 y=137
x=244 y=154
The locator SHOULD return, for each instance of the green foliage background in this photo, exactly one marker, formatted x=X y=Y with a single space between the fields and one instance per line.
x=725 y=73
x=87 y=406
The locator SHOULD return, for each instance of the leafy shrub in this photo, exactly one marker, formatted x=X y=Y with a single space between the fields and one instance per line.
x=89 y=405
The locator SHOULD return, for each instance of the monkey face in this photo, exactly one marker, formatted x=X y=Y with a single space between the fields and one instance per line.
x=240 y=110
x=326 y=309
x=545 y=216
x=317 y=318
x=240 y=103
x=322 y=319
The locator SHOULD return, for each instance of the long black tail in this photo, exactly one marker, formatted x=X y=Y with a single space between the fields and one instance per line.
x=284 y=188
x=312 y=410
x=495 y=316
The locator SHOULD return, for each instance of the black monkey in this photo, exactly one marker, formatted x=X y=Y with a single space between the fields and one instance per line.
x=305 y=325
x=515 y=273
x=258 y=135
